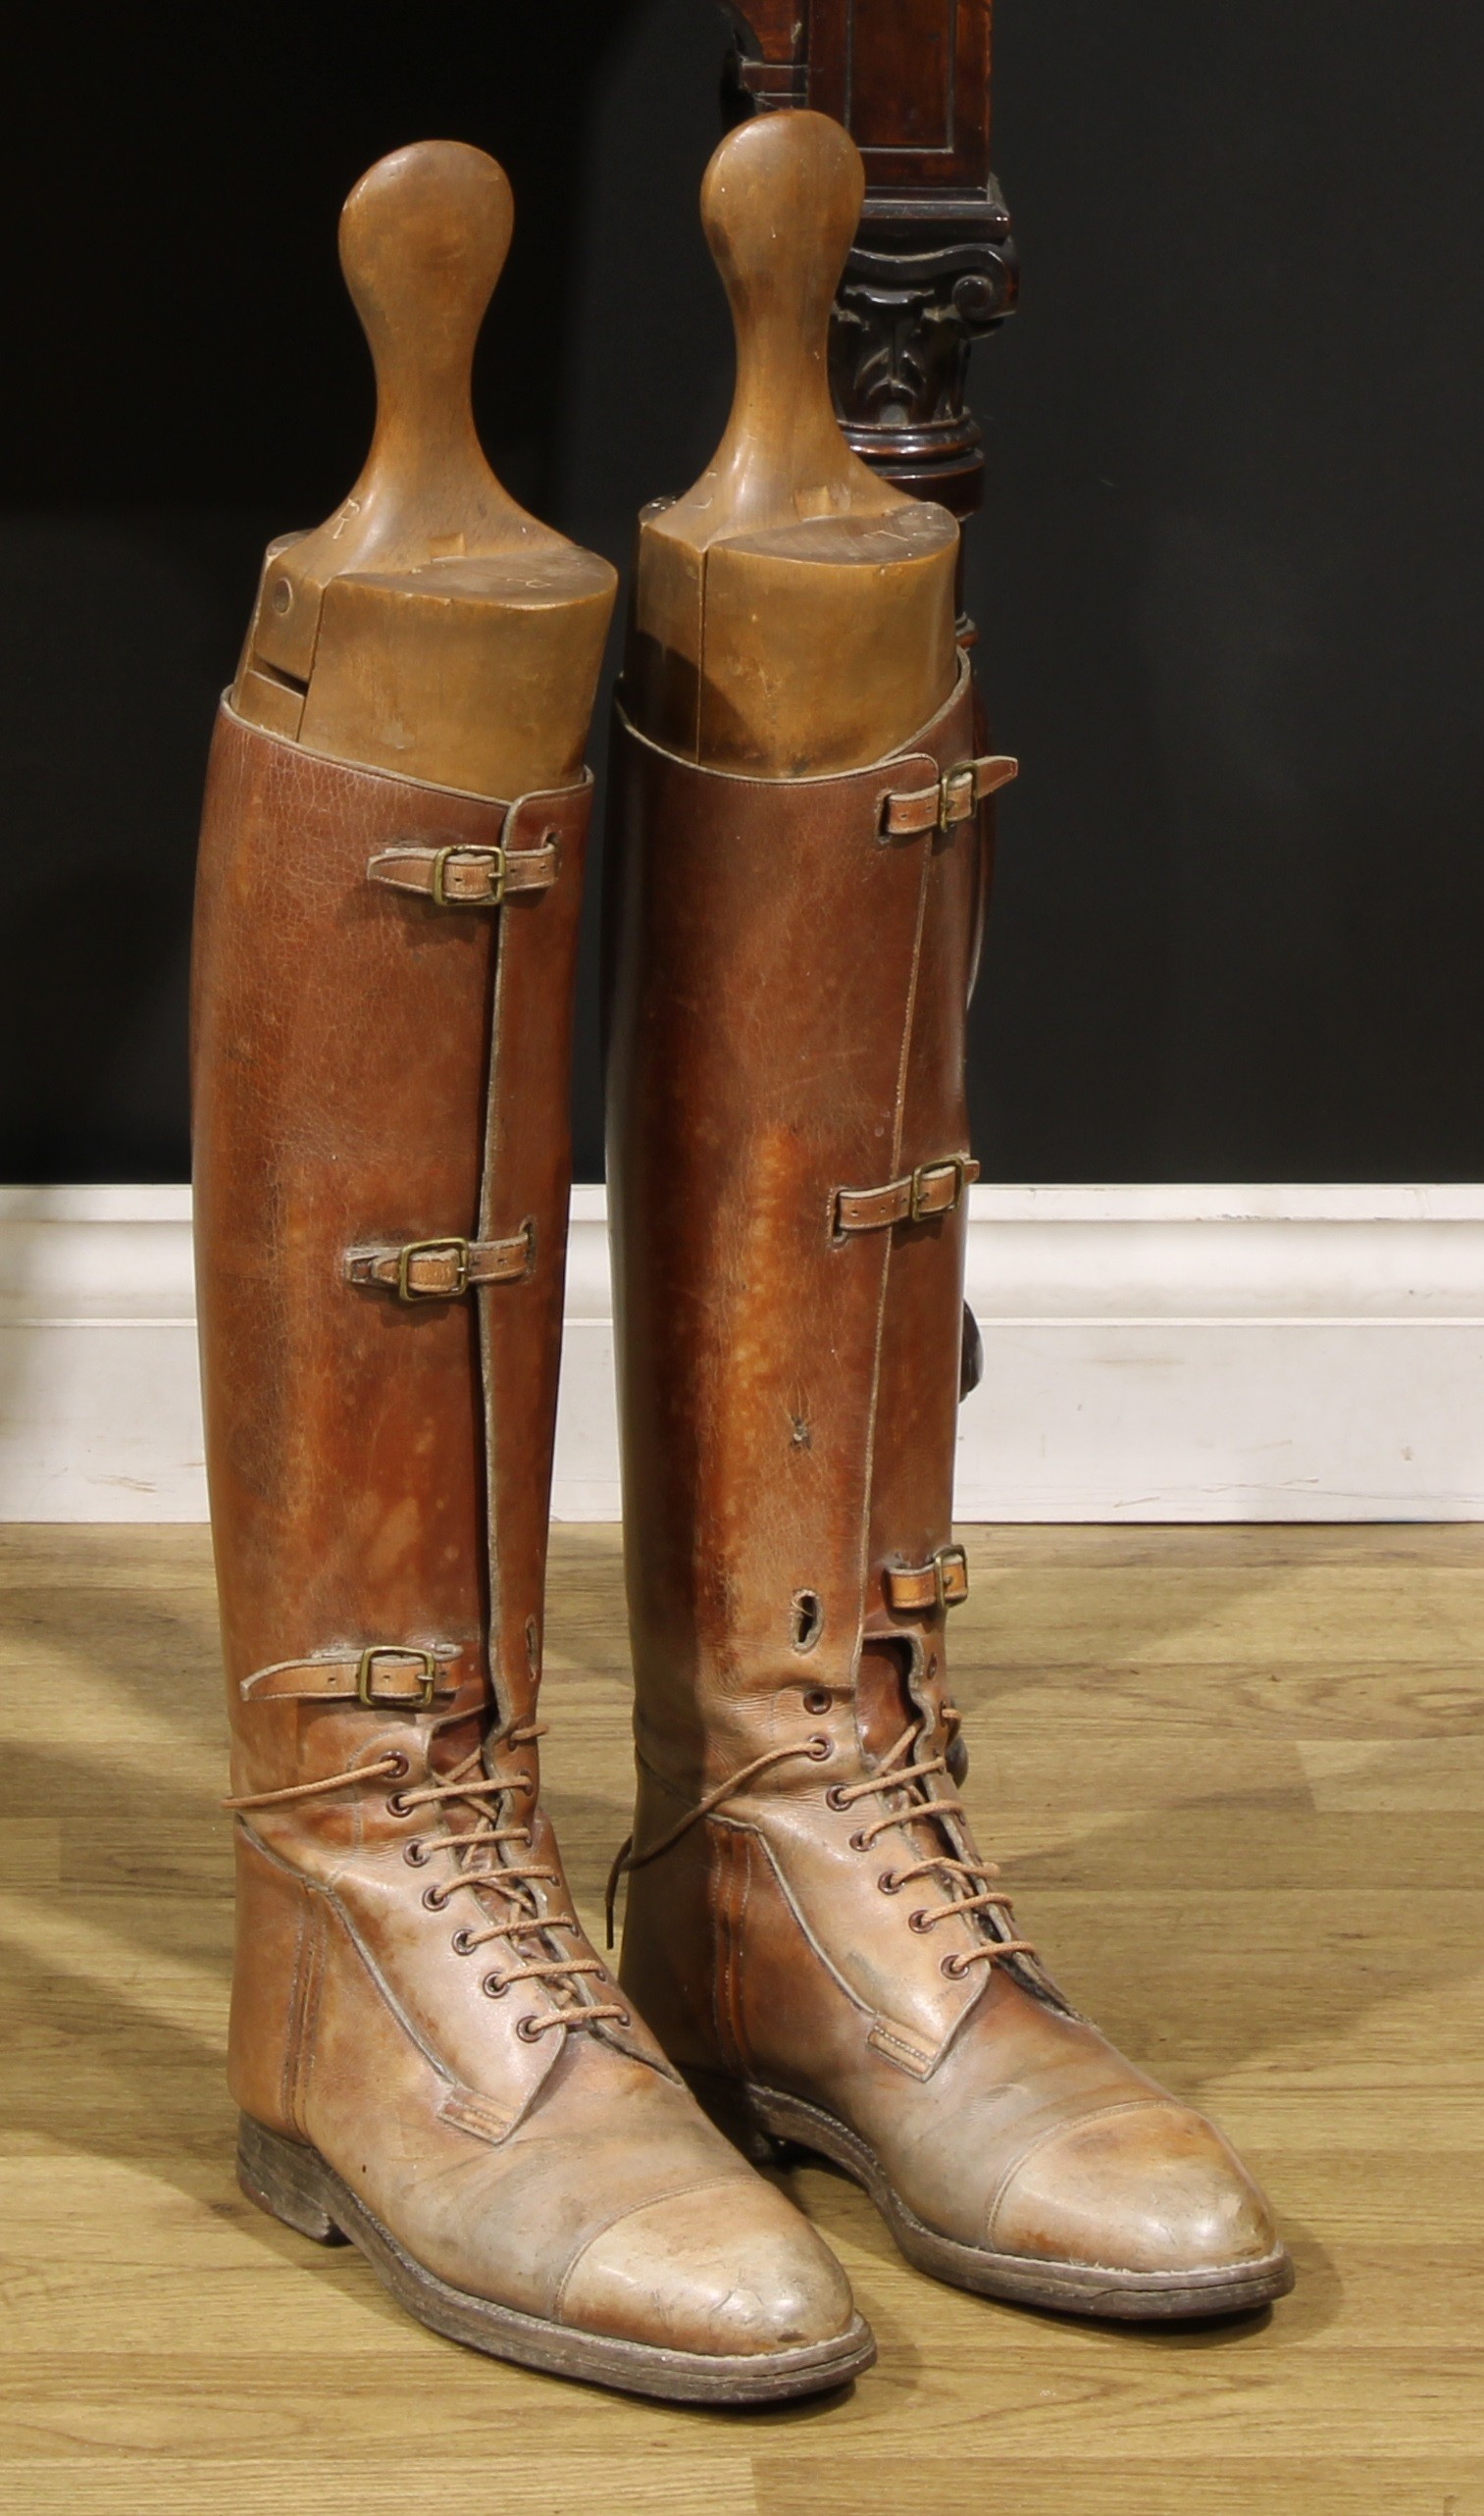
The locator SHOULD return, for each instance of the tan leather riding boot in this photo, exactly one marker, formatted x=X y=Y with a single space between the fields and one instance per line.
x=429 y=2059
x=810 y=1928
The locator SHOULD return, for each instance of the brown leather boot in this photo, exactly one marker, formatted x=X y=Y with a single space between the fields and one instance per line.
x=429 y=2059
x=810 y=1928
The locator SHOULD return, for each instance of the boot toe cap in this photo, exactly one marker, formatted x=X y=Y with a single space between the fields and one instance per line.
x=711 y=2271
x=1141 y=2188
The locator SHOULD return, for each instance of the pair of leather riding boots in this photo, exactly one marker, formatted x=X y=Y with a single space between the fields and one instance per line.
x=431 y=2059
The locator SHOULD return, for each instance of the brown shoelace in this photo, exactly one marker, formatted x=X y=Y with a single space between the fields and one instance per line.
x=975 y=1875
x=513 y=1881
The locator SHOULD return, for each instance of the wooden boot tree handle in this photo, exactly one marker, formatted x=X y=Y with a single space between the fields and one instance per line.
x=418 y=627
x=794 y=612
x=779 y=205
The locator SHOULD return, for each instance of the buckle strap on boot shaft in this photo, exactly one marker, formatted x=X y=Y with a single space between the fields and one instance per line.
x=470 y=874
x=933 y=1187
x=466 y=877
x=915 y=1589
x=442 y=1270
x=954 y=798
x=402 y=1675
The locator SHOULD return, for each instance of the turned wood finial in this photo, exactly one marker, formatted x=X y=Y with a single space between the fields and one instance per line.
x=413 y=629
x=793 y=611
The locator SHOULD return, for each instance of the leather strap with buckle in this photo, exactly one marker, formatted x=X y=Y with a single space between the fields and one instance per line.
x=467 y=877
x=442 y=1270
x=915 y=1589
x=933 y=1187
x=955 y=797
x=390 y=1675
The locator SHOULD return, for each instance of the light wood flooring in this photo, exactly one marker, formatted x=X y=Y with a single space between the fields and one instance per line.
x=1237 y=1776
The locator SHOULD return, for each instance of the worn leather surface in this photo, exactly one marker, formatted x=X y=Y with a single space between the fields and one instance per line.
x=373 y=1069
x=788 y=989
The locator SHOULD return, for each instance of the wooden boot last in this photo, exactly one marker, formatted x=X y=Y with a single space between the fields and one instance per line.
x=429 y=2059
x=810 y=1928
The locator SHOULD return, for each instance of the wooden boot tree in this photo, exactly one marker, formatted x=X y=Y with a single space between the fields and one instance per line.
x=430 y=627
x=794 y=614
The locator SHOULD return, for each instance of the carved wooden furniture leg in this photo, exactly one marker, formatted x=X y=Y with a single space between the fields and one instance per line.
x=933 y=267
x=810 y=1928
x=429 y=2059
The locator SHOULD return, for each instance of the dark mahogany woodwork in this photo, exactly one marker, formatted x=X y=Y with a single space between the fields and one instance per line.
x=934 y=264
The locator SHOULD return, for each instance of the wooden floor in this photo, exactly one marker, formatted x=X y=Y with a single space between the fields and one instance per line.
x=1238 y=1777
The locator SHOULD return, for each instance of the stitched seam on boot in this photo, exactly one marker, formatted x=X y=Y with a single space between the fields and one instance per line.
x=725 y=2005
x=309 y=2014
x=737 y=1919
x=489 y=1430
x=479 y=2116
x=632 y=2210
x=289 y=2062
x=325 y=1907
x=919 y=2059
x=1055 y=2131
x=820 y=1954
x=898 y=1123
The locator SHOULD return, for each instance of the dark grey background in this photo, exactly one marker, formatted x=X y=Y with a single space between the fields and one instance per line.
x=1227 y=575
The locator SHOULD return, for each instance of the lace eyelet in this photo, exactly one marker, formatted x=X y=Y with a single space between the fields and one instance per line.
x=817 y=1700
x=954 y=1967
x=522 y=1782
x=835 y=1797
x=819 y=1747
x=396 y=1765
x=396 y=1804
x=461 y=1940
x=435 y=1899
x=859 y=1841
x=888 y=1884
x=494 y=1987
x=529 y=2029
x=921 y=1920
x=415 y=1852
x=624 y=2019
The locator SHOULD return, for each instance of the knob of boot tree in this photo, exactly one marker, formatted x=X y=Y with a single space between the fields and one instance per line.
x=418 y=627
x=780 y=203
x=793 y=611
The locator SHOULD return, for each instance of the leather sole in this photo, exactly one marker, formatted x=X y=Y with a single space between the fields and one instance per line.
x=292 y=2182
x=761 y=2120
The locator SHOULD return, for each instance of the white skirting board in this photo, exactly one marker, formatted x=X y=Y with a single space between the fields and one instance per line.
x=1151 y=1354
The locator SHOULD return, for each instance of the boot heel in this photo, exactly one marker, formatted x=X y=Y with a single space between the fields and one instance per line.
x=287 y=2181
x=730 y=2107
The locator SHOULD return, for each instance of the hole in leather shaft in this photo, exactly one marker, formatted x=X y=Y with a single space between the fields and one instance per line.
x=808 y=1619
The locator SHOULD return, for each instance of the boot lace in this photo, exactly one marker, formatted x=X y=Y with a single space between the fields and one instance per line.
x=967 y=1886
x=483 y=1867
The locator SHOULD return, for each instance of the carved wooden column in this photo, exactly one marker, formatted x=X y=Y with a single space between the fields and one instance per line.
x=934 y=266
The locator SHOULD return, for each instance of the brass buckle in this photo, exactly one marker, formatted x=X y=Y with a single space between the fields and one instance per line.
x=956 y=788
x=926 y=1172
x=419 y=1703
x=495 y=857
x=458 y=1251
x=945 y=1556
